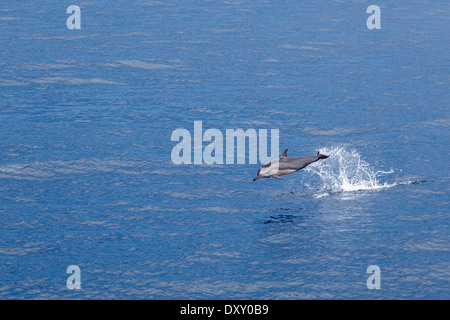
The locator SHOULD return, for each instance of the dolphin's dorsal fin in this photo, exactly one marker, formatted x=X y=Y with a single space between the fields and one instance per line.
x=284 y=154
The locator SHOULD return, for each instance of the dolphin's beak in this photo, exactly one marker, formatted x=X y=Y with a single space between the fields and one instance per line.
x=257 y=177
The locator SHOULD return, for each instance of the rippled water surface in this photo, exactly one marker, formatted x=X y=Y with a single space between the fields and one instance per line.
x=86 y=176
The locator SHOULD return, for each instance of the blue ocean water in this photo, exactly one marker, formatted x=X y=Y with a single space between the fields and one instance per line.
x=86 y=176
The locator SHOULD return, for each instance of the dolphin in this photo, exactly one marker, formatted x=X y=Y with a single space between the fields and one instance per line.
x=285 y=165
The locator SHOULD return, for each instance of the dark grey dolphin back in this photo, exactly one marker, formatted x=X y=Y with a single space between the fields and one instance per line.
x=304 y=161
x=287 y=163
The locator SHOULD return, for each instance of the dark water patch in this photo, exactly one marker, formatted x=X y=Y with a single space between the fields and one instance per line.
x=285 y=215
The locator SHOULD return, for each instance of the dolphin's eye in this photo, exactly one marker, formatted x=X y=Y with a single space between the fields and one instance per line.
x=266 y=165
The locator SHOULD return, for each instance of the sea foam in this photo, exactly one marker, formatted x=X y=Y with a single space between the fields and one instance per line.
x=346 y=171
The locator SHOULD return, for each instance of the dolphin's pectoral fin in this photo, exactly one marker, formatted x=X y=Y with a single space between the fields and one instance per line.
x=277 y=177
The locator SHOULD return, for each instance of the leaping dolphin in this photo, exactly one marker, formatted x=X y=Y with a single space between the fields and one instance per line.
x=285 y=165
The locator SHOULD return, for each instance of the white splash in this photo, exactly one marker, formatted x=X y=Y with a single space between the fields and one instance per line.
x=346 y=171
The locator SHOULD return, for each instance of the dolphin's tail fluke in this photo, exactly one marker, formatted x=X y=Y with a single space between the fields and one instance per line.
x=321 y=156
